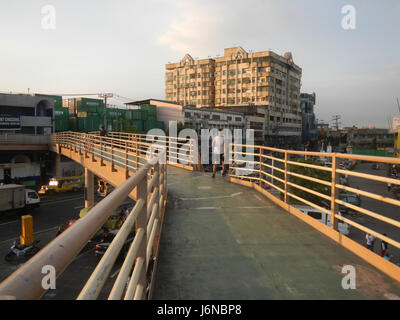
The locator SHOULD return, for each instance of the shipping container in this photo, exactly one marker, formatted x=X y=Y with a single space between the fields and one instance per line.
x=61 y=124
x=76 y=105
x=73 y=123
x=89 y=124
x=153 y=124
x=60 y=112
x=151 y=111
x=138 y=124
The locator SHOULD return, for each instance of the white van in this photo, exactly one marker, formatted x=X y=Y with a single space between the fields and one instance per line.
x=343 y=227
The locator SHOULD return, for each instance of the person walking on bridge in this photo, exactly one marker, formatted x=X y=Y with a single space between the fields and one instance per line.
x=218 y=150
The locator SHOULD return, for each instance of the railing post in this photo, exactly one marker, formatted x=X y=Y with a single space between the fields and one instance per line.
x=137 y=153
x=334 y=193
x=126 y=160
x=101 y=151
x=286 y=177
x=112 y=156
x=141 y=223
x=92 y=144
x=260 y=165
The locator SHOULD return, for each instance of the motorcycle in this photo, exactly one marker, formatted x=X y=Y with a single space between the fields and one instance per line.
x=20 y=250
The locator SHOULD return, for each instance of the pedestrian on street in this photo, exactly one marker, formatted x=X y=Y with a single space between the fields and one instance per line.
x=370 y=241
x=384 y=247
x=389 y=186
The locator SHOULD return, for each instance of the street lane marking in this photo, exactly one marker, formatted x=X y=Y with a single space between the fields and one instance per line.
x=79 y=207
x=3 y=224
x=12 y=239
x=59 y=201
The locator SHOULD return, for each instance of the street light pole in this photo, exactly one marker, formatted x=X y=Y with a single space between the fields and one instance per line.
x=105 y=96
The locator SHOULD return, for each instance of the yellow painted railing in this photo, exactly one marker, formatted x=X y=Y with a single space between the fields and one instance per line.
x=149 y=181
x=273 y=172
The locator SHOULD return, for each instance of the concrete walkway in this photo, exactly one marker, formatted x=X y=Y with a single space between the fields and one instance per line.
x=225 y=241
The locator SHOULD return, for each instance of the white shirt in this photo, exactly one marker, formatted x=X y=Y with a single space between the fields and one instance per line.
x=218 y=145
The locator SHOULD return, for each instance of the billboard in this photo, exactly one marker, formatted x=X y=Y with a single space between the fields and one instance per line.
x=9 y=122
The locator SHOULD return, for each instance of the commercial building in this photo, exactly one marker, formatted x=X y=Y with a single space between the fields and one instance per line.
x=370 y=138
x=309 y=134
x=26 y=114
x=166 y=111
x=26 y=121
x=211 y=118
x=240 y=79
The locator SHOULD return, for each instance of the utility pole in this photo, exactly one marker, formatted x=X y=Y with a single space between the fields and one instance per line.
x=336 y=119
x=105 y=96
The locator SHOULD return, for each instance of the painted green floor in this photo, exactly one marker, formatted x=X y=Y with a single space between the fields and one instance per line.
x=224 y=241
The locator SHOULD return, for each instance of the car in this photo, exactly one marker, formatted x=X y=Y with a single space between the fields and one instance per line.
x=106 y=239
x=324 y=218
x=353 y=199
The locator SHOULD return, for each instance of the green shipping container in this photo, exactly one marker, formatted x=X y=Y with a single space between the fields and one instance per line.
x=61 y=113
x=114 y=113
x=89 y=124
x=138 y=124
x=153 y=124
x=151 y=110
x=73 y=123
x=88 y=105
x=61 y=124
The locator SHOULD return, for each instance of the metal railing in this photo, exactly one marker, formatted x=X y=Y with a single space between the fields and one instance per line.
x=292 y=178
x=146 y=217
x=285 y=176
x=179 y=151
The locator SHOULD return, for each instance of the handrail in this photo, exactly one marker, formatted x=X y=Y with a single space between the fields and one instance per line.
x=294 y=180
x=25 y=283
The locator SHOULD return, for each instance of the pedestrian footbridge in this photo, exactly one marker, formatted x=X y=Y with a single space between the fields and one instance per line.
x=232 y=237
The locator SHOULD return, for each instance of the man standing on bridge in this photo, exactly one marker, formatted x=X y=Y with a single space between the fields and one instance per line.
x=218 y=150
x=103 y=132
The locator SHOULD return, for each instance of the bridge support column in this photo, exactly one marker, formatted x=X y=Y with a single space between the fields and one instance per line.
x=58 y=165
x=89 y=188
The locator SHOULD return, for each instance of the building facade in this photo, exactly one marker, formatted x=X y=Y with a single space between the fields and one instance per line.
x=191 y=82
x=370 y=138
x=309 y=134
x=211 y=118
x=264 y=80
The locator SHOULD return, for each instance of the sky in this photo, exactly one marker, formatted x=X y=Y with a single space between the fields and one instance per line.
x=122 y=46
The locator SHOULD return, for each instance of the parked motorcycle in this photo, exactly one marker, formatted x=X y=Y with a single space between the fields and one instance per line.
x=21 y=250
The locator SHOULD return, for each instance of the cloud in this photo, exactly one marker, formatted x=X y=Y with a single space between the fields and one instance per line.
x=194 y=28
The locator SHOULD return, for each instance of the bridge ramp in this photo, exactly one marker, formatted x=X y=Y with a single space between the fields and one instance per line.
x=224 y=241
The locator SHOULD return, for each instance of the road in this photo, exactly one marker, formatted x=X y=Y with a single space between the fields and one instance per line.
x=54 y=211
x=376 y=206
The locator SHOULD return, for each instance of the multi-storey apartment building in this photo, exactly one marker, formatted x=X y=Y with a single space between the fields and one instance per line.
x=190 y=82
x=263 y=79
